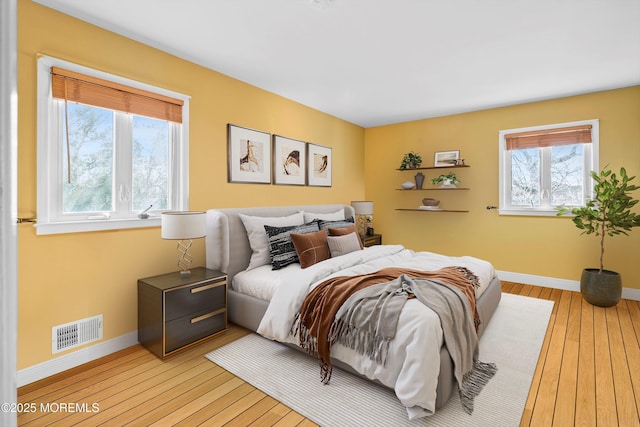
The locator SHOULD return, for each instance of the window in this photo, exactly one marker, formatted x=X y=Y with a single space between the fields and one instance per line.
x=547 y=166
x=108 y=148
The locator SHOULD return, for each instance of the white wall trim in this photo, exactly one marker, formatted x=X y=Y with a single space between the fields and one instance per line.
x=633 y=294
x=8 y=208
x=77 y=358
x=551 y=282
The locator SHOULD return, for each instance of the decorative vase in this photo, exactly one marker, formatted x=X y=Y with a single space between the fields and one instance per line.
x=408 y=185
x=419 y=180
x=601 y=289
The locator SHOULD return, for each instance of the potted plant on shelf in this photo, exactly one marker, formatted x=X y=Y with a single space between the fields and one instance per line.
x=447 y=181
x=411 y=160
x=607 y=214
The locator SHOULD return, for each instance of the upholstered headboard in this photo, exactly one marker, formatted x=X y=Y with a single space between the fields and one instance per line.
x=227 y=244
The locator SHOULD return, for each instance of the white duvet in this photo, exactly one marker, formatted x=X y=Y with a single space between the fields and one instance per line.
x=414 y=354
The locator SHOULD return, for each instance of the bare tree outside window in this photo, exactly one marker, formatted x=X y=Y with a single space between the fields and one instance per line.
x=88 y=174
x=525 y=177
x=150 y=163
x=562 y=183
x=89 y=187
x=567 y=175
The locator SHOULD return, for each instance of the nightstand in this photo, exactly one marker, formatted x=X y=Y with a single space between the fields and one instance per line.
x=374 y=239
x=175 y=313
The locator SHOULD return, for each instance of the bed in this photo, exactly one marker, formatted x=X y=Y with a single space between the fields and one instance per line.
x=252 y=291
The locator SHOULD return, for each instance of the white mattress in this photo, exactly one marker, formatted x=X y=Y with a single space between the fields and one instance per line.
x=262 y=282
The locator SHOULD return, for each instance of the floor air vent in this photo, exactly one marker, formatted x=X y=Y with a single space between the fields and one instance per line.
x=64 y=337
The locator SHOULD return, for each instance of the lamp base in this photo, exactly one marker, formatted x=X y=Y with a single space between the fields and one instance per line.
x=361 y=224
x=184 y=257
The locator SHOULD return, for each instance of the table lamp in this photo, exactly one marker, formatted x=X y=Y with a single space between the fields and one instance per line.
x=364 y=215
x=183 y=226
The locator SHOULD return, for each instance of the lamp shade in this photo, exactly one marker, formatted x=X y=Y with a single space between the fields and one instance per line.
x=182 y=225
x=362 y=207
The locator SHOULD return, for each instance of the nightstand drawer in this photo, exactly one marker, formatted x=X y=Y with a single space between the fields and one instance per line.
x=189 y=329
x=195 y=298
x=374 y=239
x=175 y=311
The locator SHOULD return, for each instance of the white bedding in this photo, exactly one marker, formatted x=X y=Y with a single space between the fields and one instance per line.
x=261 y=282
x=414 y=362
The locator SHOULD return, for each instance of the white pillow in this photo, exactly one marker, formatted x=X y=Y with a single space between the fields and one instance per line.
x=332 y=216
x=341 y=245
x=258 y=239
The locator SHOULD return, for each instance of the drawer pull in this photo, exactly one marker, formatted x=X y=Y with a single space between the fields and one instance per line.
x=206 y=316
x=204 y=288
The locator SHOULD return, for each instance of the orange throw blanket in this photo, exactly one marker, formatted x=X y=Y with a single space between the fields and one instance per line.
x=313 y=321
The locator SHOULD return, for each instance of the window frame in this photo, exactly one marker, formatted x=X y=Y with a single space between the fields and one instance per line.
x=591 y=163
x=49 y=196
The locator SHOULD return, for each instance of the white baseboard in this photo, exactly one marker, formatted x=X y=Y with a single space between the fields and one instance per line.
x=551 y=282
x=77 y=358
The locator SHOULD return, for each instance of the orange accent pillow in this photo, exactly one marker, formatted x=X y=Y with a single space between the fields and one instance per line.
x=311 y=247
x=345 y=230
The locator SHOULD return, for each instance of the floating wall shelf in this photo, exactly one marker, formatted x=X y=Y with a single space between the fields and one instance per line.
x=433 y=167
x=430 y=210
x=433 y=188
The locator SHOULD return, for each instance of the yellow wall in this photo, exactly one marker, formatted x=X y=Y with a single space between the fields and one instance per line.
x=541 y=246
x=62 y=278
x=71 y=276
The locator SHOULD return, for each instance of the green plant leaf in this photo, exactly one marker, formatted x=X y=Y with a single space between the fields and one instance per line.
x=609 y=212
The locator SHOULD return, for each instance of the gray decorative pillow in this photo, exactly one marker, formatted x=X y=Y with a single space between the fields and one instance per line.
x=341 y=245
x=325 y=225
x=281 y=248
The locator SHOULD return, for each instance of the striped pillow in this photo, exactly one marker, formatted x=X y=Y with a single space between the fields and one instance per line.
x=340 y=245
x=281 y=247
x=325 y=225
x=343 y=231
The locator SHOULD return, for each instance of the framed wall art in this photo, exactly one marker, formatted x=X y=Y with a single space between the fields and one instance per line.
x=289 y=161
x=249 y=155
x=319 y=165
x=446 y=158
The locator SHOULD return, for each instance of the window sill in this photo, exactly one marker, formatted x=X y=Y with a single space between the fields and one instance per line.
x=528 y=212
x=95 y=225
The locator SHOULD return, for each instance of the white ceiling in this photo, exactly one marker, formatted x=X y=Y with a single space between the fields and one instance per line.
x=376 y=62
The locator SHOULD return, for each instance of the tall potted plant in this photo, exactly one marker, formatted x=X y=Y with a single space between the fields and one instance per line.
x=607 y=214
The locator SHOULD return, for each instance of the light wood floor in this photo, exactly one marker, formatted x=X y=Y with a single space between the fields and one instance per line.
x=588 y=374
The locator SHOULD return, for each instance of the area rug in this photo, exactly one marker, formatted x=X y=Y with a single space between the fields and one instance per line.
x=512 y=340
